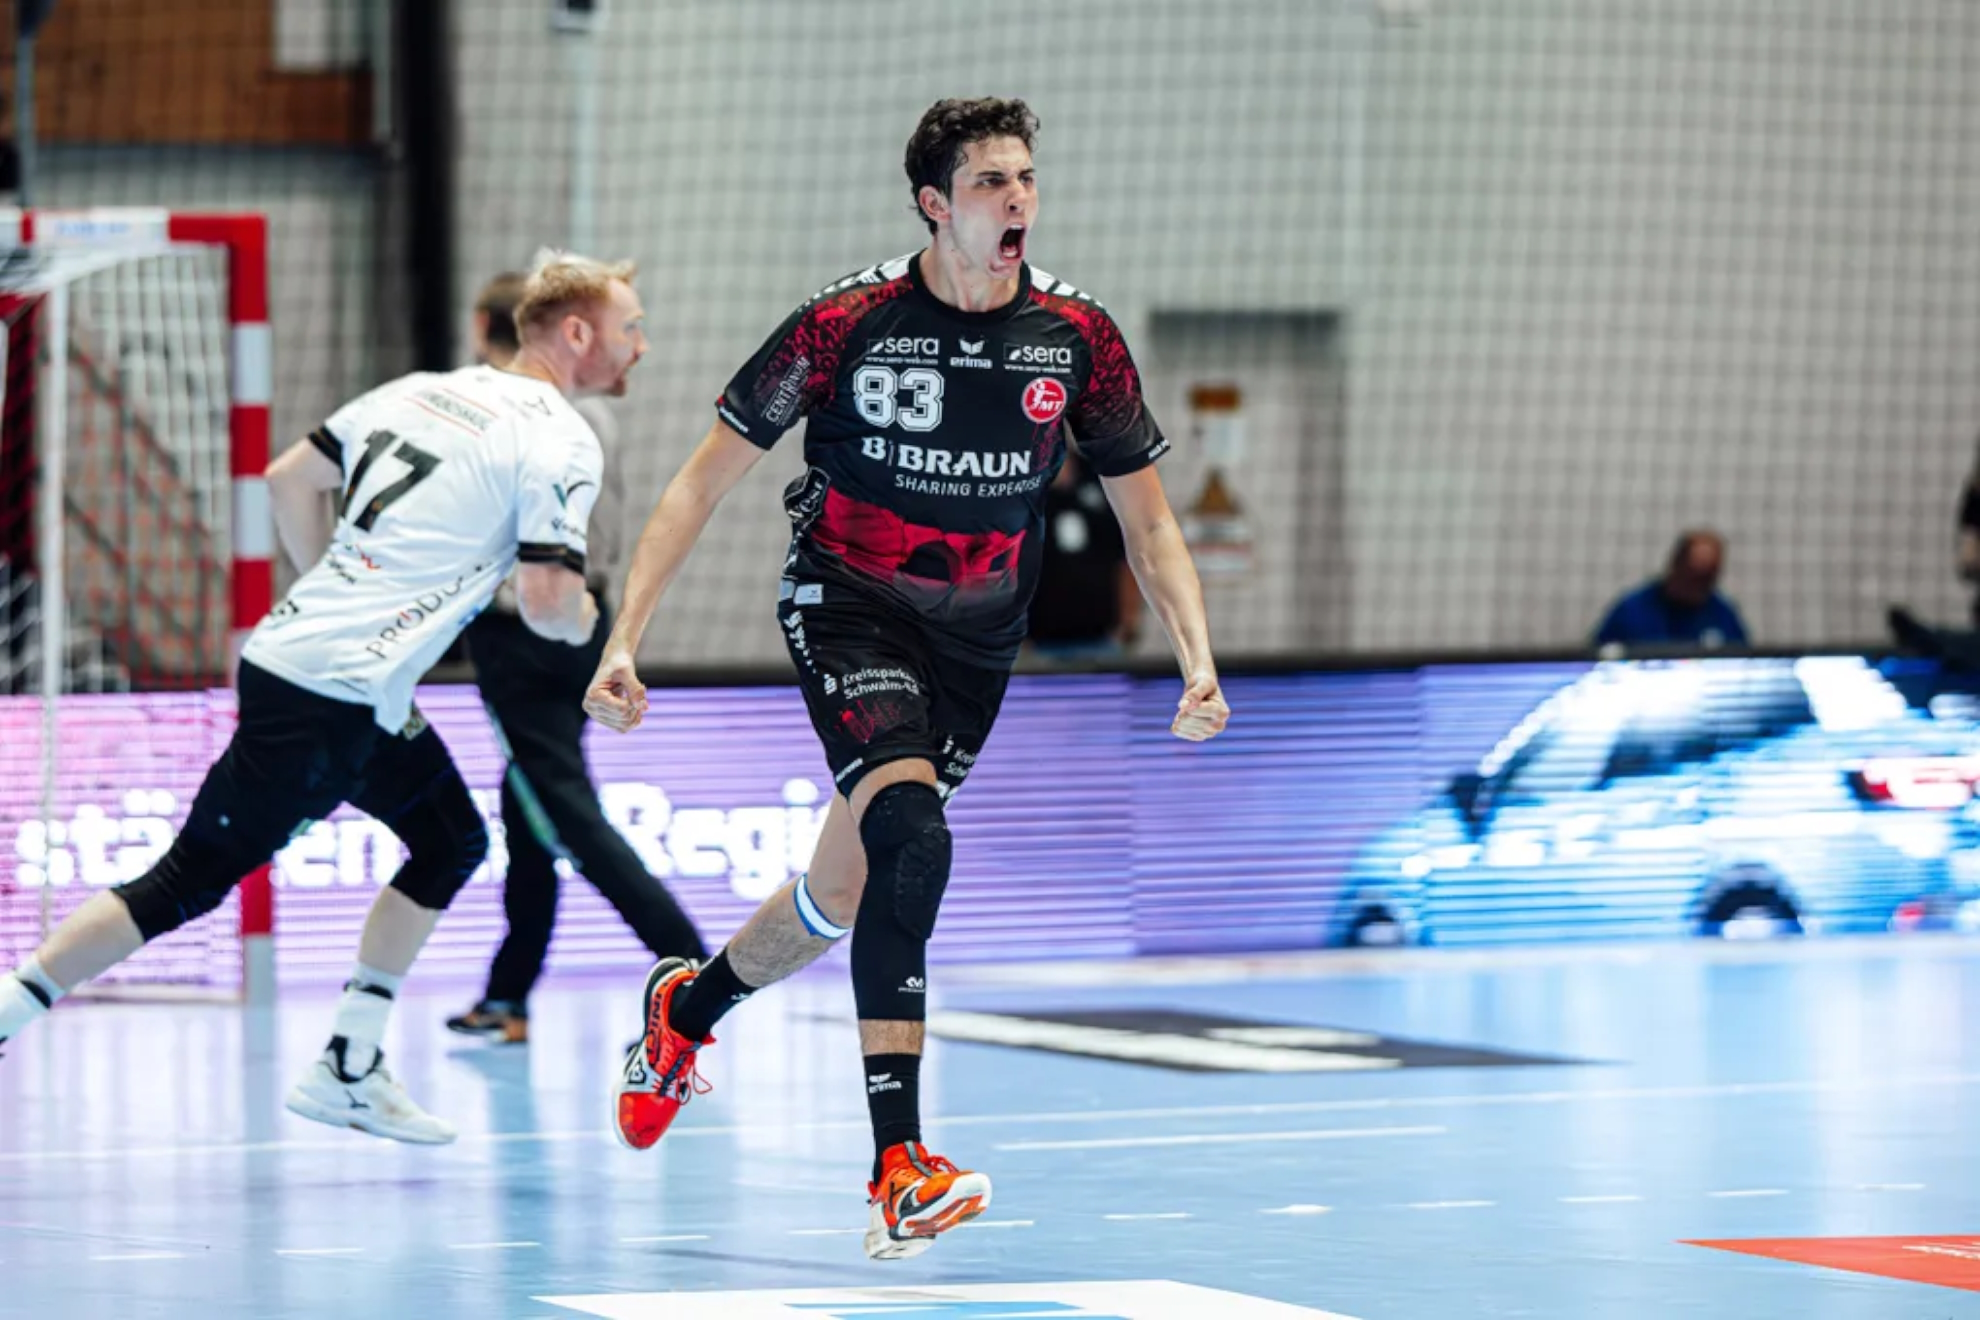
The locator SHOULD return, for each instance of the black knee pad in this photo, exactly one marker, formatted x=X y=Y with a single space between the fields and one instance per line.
x=189 y=881
x=447 y=841
x=908 y=851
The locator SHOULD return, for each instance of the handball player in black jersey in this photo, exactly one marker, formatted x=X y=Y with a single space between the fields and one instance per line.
x=938 y=391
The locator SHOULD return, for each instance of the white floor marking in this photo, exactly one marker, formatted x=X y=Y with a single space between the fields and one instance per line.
x=1891 y=1187
x=319 y=1251
x=1450 y=1205
x=1223 y=1138
x=1167 y=1214
x=491 y=1246
x=1749 y=1191
x=145 y=1255
x=1387 y=964
x=665 y=1237
x=825 y=1232
x=1599 y=1200
x=1179 y=1051
x=1299 y=1210
x=592 y=1135
x=1000 y=1223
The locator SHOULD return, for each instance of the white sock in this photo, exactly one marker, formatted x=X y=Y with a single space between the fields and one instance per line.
x=362 y=1015
x=18 y=1005
x=32 y=974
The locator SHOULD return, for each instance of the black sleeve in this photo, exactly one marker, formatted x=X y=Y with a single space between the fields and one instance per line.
x=1969 y=508
x=789 y=376
x=1116 y=431
x=326 y=445
x=547 y=552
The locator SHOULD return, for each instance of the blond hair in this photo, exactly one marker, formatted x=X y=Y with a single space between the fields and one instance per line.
x=560 y=283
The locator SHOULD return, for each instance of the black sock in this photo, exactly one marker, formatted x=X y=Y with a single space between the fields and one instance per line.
x=703 y=1002
x=893 y=1098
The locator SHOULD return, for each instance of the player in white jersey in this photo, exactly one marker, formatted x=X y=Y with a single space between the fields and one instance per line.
x=446 y=482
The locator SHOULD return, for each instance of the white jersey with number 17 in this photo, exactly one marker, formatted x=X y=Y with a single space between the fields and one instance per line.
x=449 y=480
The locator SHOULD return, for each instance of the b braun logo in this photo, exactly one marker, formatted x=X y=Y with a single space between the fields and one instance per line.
x=1039 y=355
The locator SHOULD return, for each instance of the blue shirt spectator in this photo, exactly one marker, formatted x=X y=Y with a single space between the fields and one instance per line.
x=1682 y=608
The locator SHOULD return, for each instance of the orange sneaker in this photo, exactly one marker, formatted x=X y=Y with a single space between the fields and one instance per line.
x=918 y=1197
x=659 y=1075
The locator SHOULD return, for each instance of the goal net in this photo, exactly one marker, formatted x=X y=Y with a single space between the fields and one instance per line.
x=134 y=547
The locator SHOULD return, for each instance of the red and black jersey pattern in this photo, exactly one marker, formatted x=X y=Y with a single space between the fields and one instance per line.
x=931 y=434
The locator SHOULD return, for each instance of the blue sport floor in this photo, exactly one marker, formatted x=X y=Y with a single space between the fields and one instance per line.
x=1656 y=1095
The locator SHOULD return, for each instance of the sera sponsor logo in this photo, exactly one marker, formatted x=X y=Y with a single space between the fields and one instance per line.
x=1039 y=355
x=905 y=346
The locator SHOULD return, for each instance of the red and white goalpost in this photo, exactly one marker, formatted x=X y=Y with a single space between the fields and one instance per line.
x=135 y=553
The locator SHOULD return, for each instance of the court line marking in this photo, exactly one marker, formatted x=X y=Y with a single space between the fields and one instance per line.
x=1000 y=1223
x=1163 y=1214
x=1494 y=1100
x=1334 y=964
x=1890 y=1187
x=1748 y=1191
x=1223 y=1138
x=319 y=1251
x=144 y=1255
x=1599 y=1200
x=1300 y=1210
x=491 y=1246
x=665 y=1237
x=824 y=1232
x=1451 y=1205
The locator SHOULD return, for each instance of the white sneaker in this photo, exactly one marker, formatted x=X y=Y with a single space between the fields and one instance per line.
x=374 y=1103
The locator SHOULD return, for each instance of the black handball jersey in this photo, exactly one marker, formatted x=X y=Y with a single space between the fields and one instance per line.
x=931 y=434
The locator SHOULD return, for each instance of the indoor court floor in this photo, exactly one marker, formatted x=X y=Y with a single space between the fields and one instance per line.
x=1649 y=1130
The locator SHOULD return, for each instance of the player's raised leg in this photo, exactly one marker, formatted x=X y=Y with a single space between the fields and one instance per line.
x=792 y=929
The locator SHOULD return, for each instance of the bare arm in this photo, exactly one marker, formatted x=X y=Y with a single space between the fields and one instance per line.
x=1167 y=574
x=297 y=481
x=1127 y=590
x=554 y=604
x=721 y=460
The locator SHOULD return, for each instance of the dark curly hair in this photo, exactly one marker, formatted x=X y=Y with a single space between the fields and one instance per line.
x=935 y=152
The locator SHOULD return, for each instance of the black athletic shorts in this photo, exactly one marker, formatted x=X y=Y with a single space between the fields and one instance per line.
x=878 y=691
x=296 y=756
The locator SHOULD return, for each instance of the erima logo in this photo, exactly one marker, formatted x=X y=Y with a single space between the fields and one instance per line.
x=914 y=986
x=972 y=355
x=564 y=493
x=882 y=1082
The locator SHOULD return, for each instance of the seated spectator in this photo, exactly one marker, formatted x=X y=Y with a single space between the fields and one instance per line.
x=1681 y=608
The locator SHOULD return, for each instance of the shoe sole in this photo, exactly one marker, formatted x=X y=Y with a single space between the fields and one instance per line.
x=967 y=1197
x=304 y=1105
x=639 y=1053
x=495 y=1032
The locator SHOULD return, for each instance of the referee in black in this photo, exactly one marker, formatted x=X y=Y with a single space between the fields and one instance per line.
x=534 y=691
